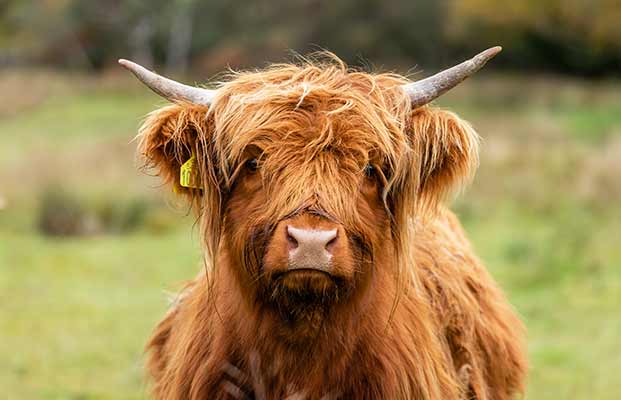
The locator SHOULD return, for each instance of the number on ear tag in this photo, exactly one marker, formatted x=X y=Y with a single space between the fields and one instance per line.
x=189 y=176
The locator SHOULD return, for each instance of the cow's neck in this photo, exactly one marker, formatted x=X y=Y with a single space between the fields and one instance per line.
x=313 y=355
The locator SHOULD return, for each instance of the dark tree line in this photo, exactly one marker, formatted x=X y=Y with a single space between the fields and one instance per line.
x=568 y=36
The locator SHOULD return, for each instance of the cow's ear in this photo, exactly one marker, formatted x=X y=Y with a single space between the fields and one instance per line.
x=170 y=136
x=446 y=150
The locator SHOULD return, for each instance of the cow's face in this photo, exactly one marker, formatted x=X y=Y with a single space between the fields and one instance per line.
x=311 y=178
x=305 y=231
x=309 y=162
x=305 y=222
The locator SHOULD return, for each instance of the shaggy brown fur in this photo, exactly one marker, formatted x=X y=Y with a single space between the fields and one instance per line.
x=413 y=313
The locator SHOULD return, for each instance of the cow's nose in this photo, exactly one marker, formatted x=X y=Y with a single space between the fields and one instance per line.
x=310 y=248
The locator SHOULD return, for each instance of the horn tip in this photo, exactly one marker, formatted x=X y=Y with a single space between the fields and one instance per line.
x=483 y=57
x=495 y=50
x=125 y=63
x=491 y=52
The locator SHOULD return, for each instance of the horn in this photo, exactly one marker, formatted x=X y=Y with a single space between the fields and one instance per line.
x=167 y=88
x=428 y=89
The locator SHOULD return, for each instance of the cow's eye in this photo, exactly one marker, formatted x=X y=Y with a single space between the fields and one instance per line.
x=369 y=171
x=252 y=164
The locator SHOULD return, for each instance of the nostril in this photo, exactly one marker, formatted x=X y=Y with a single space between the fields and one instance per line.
x=331 y=243
x=291 y=240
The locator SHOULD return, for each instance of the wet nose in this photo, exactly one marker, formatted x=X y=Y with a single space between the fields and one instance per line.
x=310 y=248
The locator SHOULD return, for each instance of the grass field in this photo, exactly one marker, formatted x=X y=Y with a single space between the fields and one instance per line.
x=543 y=212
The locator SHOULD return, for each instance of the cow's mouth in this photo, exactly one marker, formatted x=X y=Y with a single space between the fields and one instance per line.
x=301 y=273
x=303 y=287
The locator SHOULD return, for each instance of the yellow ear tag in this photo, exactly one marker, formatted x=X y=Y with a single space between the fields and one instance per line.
x=188 y=176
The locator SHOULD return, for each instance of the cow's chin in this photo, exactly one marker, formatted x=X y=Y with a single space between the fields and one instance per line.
x=300 y=301
x=303 y=295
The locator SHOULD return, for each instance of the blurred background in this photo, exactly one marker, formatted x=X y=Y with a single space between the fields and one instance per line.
x=89 y=244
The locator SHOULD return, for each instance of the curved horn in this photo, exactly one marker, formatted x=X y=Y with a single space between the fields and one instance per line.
x=428 y=89
x=167 y=88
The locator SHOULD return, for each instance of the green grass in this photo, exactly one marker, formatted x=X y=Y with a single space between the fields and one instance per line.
x=592 y=123
x=76 y=312
x=84 y=118
x=562 y=274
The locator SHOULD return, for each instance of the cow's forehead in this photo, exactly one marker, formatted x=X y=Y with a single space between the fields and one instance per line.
x=312 y=110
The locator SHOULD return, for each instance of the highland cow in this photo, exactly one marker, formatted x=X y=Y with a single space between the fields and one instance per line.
x=333 y=267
